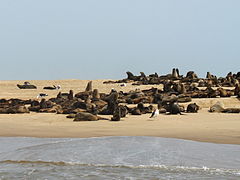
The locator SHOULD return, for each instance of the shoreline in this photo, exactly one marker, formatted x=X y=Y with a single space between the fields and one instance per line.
x=202 y=127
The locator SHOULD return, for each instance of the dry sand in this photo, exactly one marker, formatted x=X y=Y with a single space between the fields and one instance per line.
x=202 y=126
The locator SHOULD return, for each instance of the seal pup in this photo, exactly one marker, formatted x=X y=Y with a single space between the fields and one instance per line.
x=52 y=87
x=217 y=107
x=192 y=108
x=173 y=108
x=84 y=116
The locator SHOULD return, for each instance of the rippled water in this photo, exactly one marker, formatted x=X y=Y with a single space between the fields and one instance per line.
x=116 y=158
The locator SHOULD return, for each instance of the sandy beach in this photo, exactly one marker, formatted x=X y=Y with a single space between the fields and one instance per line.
x=202 y=126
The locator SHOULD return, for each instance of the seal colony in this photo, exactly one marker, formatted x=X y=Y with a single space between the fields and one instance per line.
x=90 y=104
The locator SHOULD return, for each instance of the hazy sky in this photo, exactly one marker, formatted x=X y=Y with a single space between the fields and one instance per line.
x=99 y=39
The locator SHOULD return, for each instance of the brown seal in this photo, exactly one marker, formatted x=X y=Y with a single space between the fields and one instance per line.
x=192 y=108
x=84 y=116
x=89 y=86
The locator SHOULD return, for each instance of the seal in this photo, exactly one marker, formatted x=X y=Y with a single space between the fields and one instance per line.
x=116 y=114
x=84 y=116
x=52 y=87
x=96 y=95
x=173 y=108
x=192 y=108
x=89 y=86
x=175 y=73
x=26 y=85
x=70 y=95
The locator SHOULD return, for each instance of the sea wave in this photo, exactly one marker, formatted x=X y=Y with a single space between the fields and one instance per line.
x=117 y=158
x=166 y=168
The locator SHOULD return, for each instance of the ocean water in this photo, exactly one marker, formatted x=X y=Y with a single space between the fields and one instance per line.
x=116 y=158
